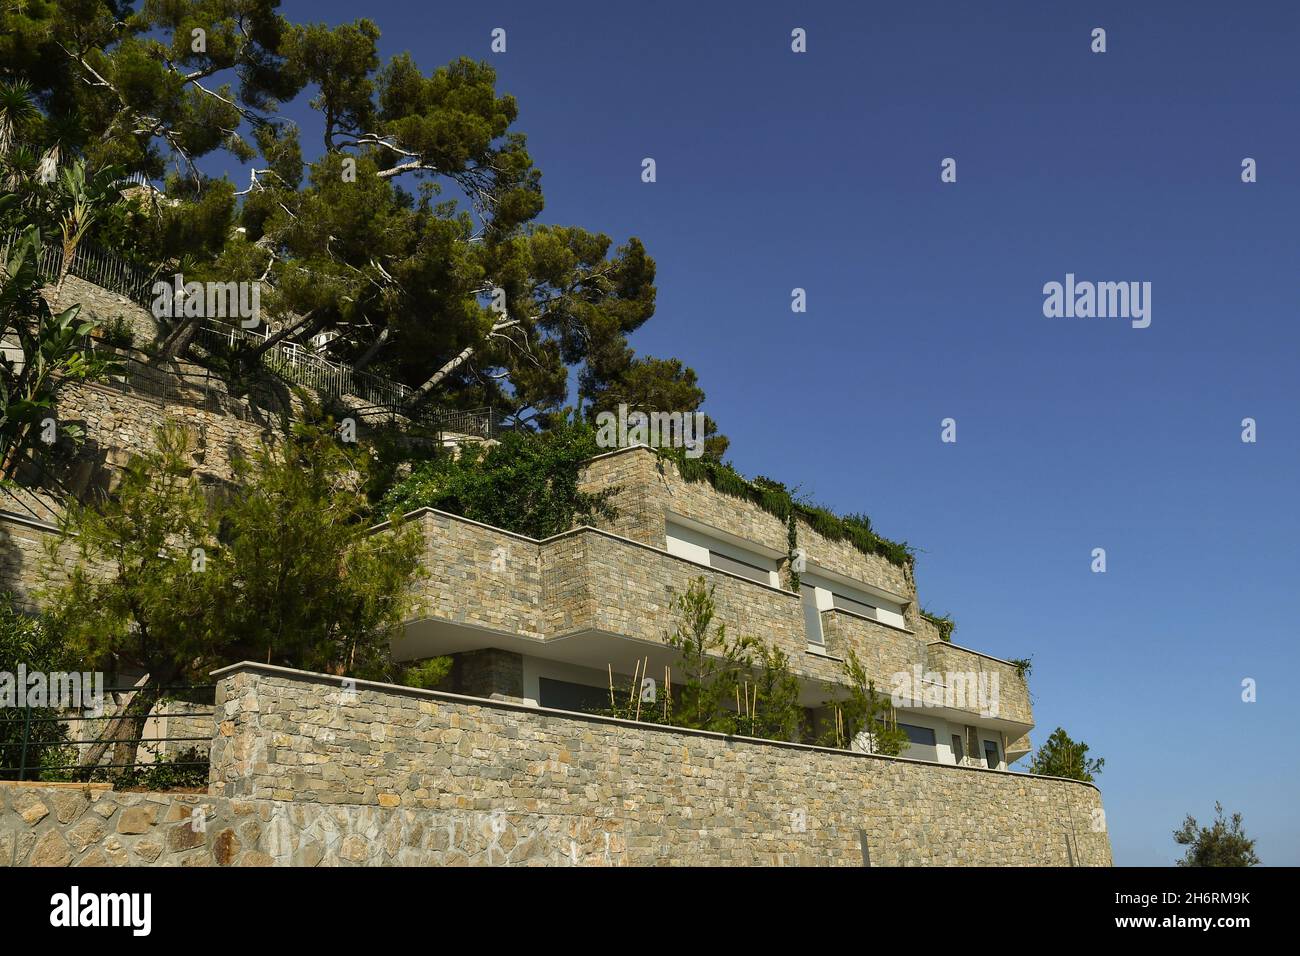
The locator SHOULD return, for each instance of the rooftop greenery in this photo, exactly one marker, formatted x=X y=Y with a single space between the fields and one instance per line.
x=774 y=498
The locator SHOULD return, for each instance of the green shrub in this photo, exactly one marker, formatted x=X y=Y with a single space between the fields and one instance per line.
x=118 y=332
x=527 y=484
x=775 y=499
x=28 y=641
x=944 y=622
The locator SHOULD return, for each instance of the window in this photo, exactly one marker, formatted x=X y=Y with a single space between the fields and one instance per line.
x=991 y=758
x=745 y=570
x=958 y=751
x=564 y=695
x=708 y=550
x=856 y=607
x=812 y=617
x=922 y=742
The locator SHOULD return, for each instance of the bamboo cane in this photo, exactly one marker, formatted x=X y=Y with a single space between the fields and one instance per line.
x=638 y=696
x=636 y=673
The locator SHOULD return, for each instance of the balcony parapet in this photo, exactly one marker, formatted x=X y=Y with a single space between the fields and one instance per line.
x=884 y=651
x=589 y=580
x=1012 y=690
x=592 y=581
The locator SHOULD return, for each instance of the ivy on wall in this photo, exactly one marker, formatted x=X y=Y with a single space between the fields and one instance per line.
x=943 y=622
x=776 y=500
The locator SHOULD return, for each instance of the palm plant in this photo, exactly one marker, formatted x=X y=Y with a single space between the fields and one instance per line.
x=50 y=349
x=82 y=198
x=17 y=110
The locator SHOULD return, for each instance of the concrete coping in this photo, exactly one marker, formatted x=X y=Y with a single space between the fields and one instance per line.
x=970 y=651
x=871 y=620
x=292 y=673
x=7 y=515
x=56 y=784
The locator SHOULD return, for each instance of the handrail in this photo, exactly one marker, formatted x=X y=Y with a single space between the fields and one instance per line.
x=287 y=359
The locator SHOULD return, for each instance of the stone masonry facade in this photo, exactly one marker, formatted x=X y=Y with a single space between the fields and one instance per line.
x=95 y=827
x=598 y=580
x=650 y=795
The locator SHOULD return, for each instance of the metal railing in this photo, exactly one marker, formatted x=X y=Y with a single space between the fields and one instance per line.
x=94 y=265
x=42 y=730
x=196 y=386
x=289 y=360
x=301 y=366
x=15 y=499
x=479 y=422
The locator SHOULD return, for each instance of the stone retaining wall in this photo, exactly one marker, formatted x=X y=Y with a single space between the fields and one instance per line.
x=663 y=796
x=87 y=826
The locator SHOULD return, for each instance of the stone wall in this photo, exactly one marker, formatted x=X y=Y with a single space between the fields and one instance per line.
x=23 y=561
x=1013 y=692
x=590 y=580
x=650 y=487
x=477 y=575
x=882 y=650
x=490 y=672
x=647 y=795
x=595 y=580
x=122 y=424
x=93 y=826
x=22 y=552
x=104 y=306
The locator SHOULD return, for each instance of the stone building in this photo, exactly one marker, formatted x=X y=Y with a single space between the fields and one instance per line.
x=536 y=630
x=547 y=622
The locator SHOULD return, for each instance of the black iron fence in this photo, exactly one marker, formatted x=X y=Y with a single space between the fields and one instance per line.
x=289 y=360
x=302 y=366
x=94 y=265
x=479 y=422
x=36 y=743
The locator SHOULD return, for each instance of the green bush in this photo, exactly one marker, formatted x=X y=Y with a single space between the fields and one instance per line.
x=27 y=640
x=775 y=499
x=118 y=332
x=527 y=484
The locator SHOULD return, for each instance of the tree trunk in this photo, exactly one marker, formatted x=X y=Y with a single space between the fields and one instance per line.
x=371 y=352
x=274 y=340
x=423 y=392
x=177 y=344
x=118 y=729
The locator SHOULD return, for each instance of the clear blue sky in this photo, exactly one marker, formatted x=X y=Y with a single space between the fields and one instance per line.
x=821 y=171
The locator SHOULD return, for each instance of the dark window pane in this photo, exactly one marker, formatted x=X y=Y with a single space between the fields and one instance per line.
x=738 y=567
x=958 y=751
x=918 y=735
x=563 y=695
x=991 y=755
x=922 y=742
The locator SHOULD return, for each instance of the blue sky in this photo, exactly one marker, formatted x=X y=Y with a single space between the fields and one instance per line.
x=821 y=171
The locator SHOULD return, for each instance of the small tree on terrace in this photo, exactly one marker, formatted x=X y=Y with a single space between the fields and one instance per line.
x=1063 y=757
x=163 y=580
x=864 y=717
x=133 y=599
x=308 y=585
x=712 y=664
